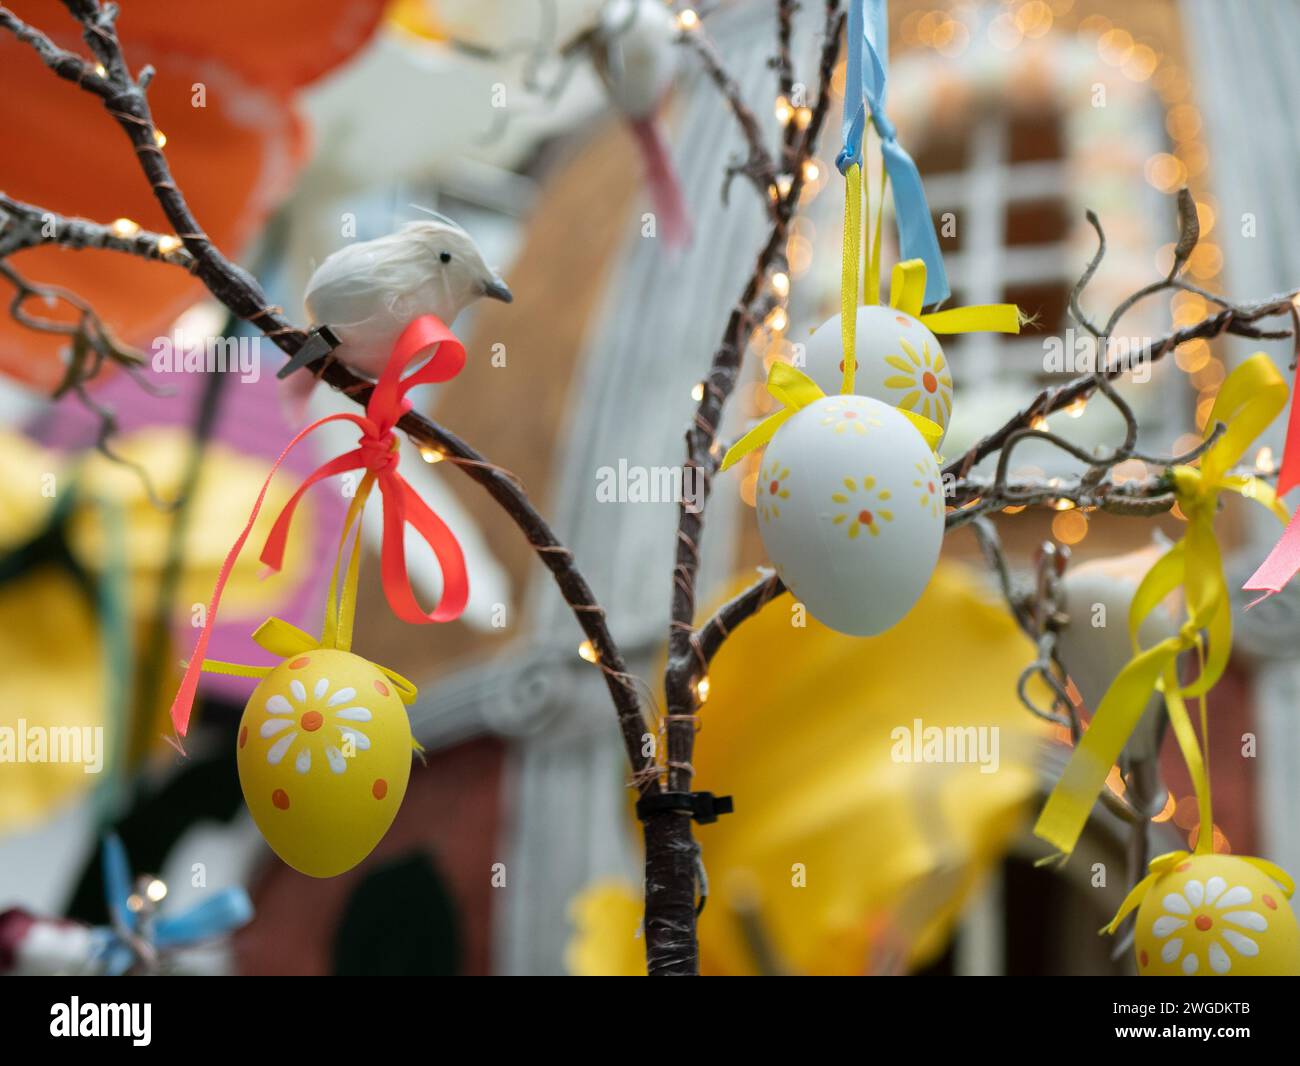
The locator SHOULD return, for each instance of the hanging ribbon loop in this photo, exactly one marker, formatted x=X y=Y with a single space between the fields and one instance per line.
x=864 y=94
x=1251 y=397
x=377 y=454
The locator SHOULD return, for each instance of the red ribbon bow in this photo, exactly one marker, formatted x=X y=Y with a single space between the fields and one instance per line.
x=376 y=452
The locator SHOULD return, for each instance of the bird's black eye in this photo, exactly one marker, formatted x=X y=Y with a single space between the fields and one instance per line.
x=445 y=257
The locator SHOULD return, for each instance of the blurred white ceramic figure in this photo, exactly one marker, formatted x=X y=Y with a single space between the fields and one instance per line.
x=369 y=291
x=634 y=52
x=1095 y=646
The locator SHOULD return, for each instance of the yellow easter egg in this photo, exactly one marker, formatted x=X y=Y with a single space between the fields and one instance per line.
x=324 y=754
x=1216 y=915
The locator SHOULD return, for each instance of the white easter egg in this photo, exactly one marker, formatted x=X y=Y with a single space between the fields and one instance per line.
x=899 y=361
x=850 y=508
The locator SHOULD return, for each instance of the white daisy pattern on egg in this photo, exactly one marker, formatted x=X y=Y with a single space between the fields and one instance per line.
x=1208 y=925
x=334 y=717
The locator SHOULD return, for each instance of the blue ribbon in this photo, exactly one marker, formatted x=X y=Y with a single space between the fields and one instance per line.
x=222 y=912
x=866 y=68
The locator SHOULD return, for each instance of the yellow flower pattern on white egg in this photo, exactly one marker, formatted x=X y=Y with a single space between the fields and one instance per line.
x=844 y=416
x=929 y=485
x=924 y=380
x=772 y=489
x=863 y=510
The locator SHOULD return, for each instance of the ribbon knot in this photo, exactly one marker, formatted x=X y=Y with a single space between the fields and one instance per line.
x=377 y=454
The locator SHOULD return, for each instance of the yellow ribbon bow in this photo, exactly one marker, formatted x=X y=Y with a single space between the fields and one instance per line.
x=284 y=640
x=1251 y=397
x=906 y=286
x=1163 y=864
x=796 y=390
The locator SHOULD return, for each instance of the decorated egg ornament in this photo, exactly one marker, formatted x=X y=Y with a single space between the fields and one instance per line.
x=324 y=755
x=1216 y=915
x=850 y=508
x=899 y=361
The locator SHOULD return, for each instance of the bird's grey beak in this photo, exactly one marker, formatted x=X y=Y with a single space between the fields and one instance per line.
x=497 y=289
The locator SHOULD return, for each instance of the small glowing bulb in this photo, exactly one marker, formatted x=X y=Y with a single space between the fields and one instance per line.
x=784 y=111
x=811 y=171
x=99 y=69
x=1076 y=409
x=587 y=651
x=781 y=283
x=783 y=183
x=803 y=117
x=432 y=455
x=687 y=20
x=778 y=320
x=1264 y=460
x=168 y=244
x=1039 y=423
x=156 y=890
x=160 y=138
x=134 y=902
x=702 y=689
x=697 y=391
x=124 y=227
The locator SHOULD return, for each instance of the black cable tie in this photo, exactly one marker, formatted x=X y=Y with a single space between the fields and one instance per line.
x=704 y=807
x=319 y=343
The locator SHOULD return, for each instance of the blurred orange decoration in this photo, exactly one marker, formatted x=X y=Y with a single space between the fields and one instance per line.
x=223 y=97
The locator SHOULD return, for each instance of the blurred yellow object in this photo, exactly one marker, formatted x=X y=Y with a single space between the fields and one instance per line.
x=849 y=847
x=415 y=17
x=607 y=940
x=52 y=655
x=227 y=486
x=52 y=676
x=30 y=479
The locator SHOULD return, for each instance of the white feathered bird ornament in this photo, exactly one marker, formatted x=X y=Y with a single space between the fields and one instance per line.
x=367 y=293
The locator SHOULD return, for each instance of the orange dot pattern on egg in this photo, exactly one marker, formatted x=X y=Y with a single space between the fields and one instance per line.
x=280 y=798
x=312 y=721
x=299 y=663
x=1204 y=922
x=379 y=789
x=929 y=381
x=243 y=736
x=1269 y=901
x=1144 y=958
x=904 y=322
x=381 y=688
